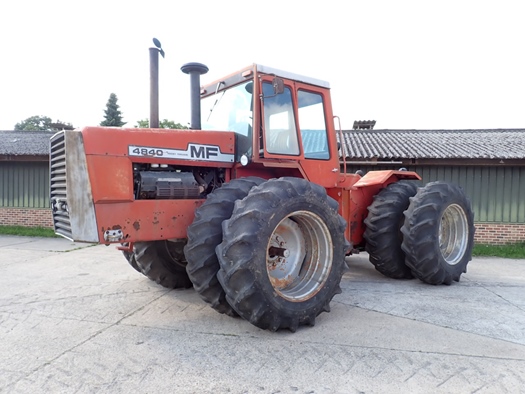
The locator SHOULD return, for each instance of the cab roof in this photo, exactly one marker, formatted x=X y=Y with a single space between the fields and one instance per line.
x=289 y=75
x=249 y=71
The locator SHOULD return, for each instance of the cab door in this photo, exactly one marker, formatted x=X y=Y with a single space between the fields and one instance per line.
x=320 y=156
x=279 y=122
x=295 y=130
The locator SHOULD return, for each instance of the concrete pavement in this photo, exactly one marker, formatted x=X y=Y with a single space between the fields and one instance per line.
x=76 y=318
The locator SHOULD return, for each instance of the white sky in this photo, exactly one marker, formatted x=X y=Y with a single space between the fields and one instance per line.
x=406 y=64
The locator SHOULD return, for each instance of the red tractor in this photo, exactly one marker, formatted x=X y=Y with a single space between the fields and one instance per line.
x=252 y=206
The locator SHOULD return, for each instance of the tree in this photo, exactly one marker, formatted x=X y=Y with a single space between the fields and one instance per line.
x=163 y=124
x=142 y=124
x=59 y=125
x=43 y=123
x=113 y=116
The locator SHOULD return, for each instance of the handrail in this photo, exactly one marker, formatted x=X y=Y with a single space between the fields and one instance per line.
x=343 y=150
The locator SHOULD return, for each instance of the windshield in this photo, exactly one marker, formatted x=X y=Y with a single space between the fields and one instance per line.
x=231 y=110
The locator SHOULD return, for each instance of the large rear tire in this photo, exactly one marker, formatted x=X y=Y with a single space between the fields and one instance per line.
x=383 y=229
x=205 y=233
x=163 y=262
x=283 y=254
x=438 y=233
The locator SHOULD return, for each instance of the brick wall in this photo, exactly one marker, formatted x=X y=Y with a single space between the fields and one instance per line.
x=499 y=233
x=27 y=217
x=486 y=233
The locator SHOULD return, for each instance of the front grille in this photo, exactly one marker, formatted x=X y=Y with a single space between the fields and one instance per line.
x=58 y=185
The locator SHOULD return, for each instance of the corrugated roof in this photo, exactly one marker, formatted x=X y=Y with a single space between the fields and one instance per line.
x=435 y=144
x=28 y=143
x=359 y=144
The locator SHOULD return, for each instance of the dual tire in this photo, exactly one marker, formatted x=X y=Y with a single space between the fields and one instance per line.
x=270 y=251
x=383 y=229
x=282 y=254
x=438 y=233
x=424 y=232
x=205 y=233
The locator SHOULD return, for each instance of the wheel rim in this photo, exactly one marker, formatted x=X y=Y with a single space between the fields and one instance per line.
x=299 y=256
x=453 y=234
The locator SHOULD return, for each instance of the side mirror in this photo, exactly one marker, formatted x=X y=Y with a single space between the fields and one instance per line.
x=278 y=86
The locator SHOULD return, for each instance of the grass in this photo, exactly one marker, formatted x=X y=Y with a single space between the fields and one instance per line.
x=28 y=231
x=511 y=251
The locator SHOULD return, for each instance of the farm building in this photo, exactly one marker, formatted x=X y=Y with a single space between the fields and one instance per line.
x=488 y=164
x=24 y=178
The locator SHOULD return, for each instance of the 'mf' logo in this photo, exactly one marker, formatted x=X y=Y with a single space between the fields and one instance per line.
x=192 y=152
x=203 y=151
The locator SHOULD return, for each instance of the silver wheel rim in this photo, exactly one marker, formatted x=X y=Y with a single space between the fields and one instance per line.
x=299 y=256
x=453 y=234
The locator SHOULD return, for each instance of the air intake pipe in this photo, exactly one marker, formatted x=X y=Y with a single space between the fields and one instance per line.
x=195 y=70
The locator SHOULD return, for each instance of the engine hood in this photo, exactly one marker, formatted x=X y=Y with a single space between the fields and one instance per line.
x=163 y=145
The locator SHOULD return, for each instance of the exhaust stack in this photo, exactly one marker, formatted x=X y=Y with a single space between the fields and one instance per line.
x=154 y=83
x=195 y=70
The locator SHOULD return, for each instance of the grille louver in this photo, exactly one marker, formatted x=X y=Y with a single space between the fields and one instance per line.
x=58 y=186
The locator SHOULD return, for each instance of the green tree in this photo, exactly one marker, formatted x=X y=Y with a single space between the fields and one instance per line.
x=59 y=125
x=142 y=124
x=163 y=124
x=43 y=123
x=113 y=116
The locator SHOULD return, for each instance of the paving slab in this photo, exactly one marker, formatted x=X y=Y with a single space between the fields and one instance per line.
x=79 y=319
x=14 y=242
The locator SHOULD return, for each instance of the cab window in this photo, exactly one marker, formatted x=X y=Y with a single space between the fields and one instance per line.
x=313 y=125
x=279 y=121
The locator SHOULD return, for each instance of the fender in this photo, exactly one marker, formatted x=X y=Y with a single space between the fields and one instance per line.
x=355 y=199
x=384 y=178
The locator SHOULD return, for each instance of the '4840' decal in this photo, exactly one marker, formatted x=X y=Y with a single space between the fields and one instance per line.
x=192 y=152
x=137 y=151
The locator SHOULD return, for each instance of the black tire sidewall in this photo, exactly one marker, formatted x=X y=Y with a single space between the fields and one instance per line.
x=421 y=242
x=458 y=268
x=155 y=263
x=167 y=260
x=383 y=243
x=258 y=264
x=205 y=233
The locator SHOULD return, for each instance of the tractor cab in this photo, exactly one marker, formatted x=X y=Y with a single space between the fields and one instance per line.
x=278 y=117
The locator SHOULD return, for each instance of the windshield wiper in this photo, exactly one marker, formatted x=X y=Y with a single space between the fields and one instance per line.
x=217 y=99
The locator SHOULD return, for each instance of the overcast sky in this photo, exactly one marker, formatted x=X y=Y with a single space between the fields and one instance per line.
x=406 y=64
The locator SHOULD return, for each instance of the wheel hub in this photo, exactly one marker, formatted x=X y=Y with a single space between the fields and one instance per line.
x=299 y=256
x=453 y=234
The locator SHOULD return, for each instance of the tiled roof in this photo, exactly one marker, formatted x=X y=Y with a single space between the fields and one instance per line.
x=435 y=144
x=30 y=143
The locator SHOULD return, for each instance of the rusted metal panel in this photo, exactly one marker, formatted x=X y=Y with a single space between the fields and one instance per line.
x=145 y=220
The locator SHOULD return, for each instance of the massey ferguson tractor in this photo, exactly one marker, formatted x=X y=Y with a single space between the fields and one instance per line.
x=252 y=206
